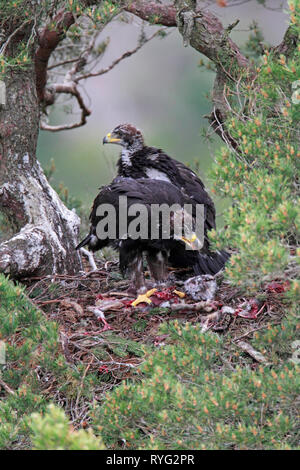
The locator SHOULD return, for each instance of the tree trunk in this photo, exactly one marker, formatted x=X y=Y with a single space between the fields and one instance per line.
x=45 y=230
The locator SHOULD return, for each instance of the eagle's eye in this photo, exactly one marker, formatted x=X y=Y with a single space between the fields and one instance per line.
x=119 y=133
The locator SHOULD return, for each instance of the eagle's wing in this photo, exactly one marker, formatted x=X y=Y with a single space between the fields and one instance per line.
x=191 y=185
x=150 y=192
x=195 y=189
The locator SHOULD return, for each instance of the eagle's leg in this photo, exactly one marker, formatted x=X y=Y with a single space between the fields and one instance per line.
x=131 y=262
x=135 y=266
x=156 y=260
x=157 y=266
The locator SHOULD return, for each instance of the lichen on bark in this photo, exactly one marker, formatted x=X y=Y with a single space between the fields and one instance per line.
x=45 y=230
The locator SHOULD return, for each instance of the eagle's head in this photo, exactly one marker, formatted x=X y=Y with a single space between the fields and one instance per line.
x=125 y=135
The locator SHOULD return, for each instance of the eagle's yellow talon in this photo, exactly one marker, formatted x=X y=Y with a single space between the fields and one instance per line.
x=144 y=298
x=179 y=293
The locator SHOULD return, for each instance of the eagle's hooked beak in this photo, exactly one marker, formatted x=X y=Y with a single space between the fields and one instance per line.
x=193 y=243
x=108 y=139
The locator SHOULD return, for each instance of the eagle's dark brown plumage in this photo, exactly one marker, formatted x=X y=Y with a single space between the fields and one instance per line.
x=157 y=250
x=140 y=161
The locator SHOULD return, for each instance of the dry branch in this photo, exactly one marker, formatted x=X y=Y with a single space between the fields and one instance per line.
x=6 y=387
x=70 y=84
x=69 y=88
x=251 y=351
x=118 y=60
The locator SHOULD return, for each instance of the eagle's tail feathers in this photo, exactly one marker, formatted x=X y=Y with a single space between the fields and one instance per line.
x=211 y=263
x=84 y=242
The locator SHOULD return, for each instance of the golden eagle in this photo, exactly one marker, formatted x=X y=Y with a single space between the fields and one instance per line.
x=140 y=161
x=159 y=248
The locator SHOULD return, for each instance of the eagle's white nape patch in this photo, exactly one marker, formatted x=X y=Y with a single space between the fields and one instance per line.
x=126 y=157
x=155 y=174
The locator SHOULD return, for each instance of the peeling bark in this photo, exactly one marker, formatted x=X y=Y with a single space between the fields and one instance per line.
x=45 y=230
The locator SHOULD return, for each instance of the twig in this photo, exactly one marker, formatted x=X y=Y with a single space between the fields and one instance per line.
x=119 y=294
x=69 y=86
x=81 y=383
x=249 y=332
x=117 y=61
x=16 y=31
x=64 y=344
x=46 y=302
x=251 y=351
x=6 y=387
x=209 y=320
x=64 y=62
x=230 y=27
x=205 y=306
x=72 y=89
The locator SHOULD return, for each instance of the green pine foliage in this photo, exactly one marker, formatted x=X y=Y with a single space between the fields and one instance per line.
x=21 y=14
x=262 y=176
x=32 y=14
x=53 y=432
x=279 y=342
x=199 y=391
x=34 y=364
x=191 y=399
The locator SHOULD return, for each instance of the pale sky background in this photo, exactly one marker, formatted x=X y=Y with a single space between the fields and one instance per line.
x=160 y=89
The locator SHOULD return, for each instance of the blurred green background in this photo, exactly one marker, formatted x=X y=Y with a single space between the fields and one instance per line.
x=161 y=90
